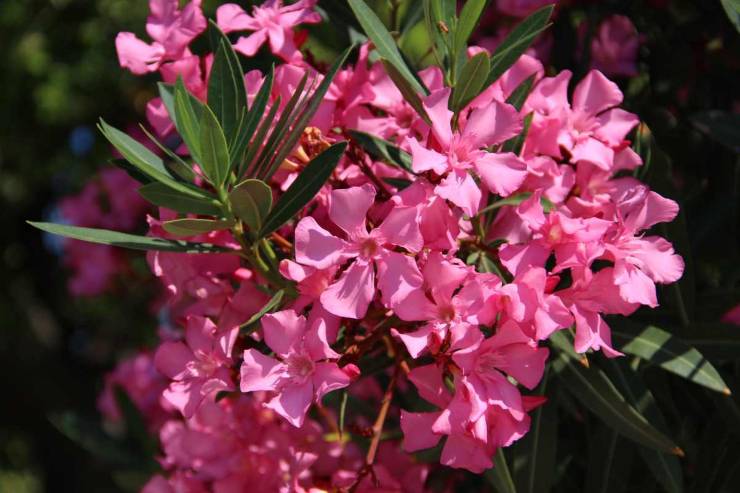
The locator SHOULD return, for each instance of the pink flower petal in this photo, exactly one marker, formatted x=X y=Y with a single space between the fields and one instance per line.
x=460 y=189
x=502 y=173
x=283 y=330
x=316 y=247
x=259 y=372
x=417 y=431
x=595 y=93
x=293 y=402
x=351 y=294
x=348 y=208
x=329 y=377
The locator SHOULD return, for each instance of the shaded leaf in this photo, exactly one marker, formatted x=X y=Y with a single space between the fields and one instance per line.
x=251 y=201
x=609 y=462
x=163 y=196
x=385 y=44
x=382 y=150
x=304 y=188
x=274 y=302
x=192 y=227
x=407 y=91
x=125 y=240
x=519 y=95
x=469 y=17
x=188 y=111
x=470 y=82
x=214 y=159
x=499 y=476
x=227 y=96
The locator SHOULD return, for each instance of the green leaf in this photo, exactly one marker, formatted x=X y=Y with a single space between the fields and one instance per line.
x=732 y=9
x=91 y=437
x=288 y=143
x=519 y=95
x=214 y=151
x=609 y=461
x=274 y=302
x=665 y=467
x=661 y=348
x=466 y=24
x=384 y=43
x=227 y=96
x=188 y=114
x=125 y=240
x=343 y=411
x=499 y=476
x=253 y=117
x=178 y=165
x=470 y=82
x=406 y=90
x=163 y=196
x=399 y=183
x=304 y=188
x=595 y=391
x=534 y=474
x=192 y=227
x=517 y=42
x=516 y=200
x=251 y=201
x=144 y=160
x=383 y=150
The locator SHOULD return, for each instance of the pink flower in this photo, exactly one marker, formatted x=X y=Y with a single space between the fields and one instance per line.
x=453 y=154
x=304 y=372
x=350 y=295
x=171 y=29
x=591 y=130
x=614 y=47
x=270 y=21
x=198 y=367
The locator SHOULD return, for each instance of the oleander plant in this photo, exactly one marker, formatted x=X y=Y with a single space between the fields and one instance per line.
x=406 y=246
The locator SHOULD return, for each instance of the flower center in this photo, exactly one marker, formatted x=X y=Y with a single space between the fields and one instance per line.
x=300 y=367
x=446 y=313
x=368 y=248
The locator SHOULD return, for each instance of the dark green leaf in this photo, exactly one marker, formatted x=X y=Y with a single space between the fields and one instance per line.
x=470 y=82
x=609 y=462
x=468 y=21
x=192 y=227
x=251 y=201
x=163 y=196
x=406 y=90
x=125 y=240
x=304 y=188
x=274 y=302
x=178 y=165
x=214 y=151
x=499 y=476
x=399 y=183
x=227 y=96
x=91 y=437
x=384 y=43
x=145 y=160
x=732 y=9
x=383 y=150
x=136 y=427
x=519 y=95
x=595 y=391
x=661 y=348
x=517 y=42
x=188 y=111
x=251 y=121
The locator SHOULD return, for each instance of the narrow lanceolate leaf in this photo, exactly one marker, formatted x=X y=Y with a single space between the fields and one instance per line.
x=188 y=112
x=661 y=348
x=517 y=42
x=406 y=90
x=499 y=475
x=163 y=196
x=665 y=467
x=252 y=119
x=383 y=150
x=274 y=302
x=144 y=160
x=304 y=188
x=192 y=227
x=291 y=139
x=520 y=94
x=251 y=202
x=466 y=24
x=125 y=240
x=214 y=151
x=537 y=449
x=595 y=391
x=732 y=9
x=610 y=459
x=470 y=82
x=384 y=43
x=227 y=96
x=178 y=164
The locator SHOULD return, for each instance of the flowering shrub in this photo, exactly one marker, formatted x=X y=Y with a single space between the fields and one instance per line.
x=363 y=247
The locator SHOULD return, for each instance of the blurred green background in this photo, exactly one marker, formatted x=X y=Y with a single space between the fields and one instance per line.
x=61 y=74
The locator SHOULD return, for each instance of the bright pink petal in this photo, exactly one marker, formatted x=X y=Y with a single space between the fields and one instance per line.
x=259 y=372
x=416 y=342
x=424 y=159
x=348 y=208
x=614 y=125
x=316 y=247
x=283 y=330
x=436 y=107
x=231 y=17
x=293 y=403
x=460 y=189
x=595 y=152
x=351 y=294
x=401 y=228
x=502 y=173
x=417 y=431
x=171 y=359
x=136 y=55
x=464 y=452
x=595 y=93
x=398 y=277
x=492 y=124
x=428 y=381
x=329 y=377
x=316 y=340
x=249 y=45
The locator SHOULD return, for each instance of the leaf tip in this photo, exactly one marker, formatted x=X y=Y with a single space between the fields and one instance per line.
x=678 y=451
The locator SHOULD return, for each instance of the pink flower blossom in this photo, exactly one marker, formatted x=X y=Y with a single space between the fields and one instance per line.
x=304 y=371
x=614 y=47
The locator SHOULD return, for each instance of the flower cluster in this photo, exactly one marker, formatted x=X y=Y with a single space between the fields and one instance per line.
x=510 y=221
